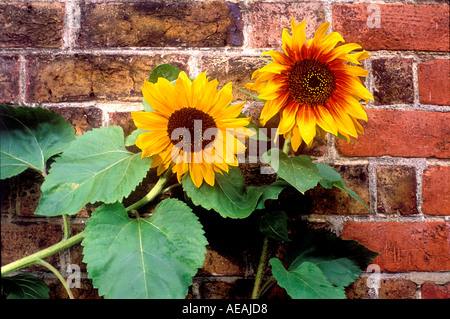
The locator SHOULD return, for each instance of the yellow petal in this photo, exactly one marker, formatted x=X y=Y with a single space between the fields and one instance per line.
x=306 y=121
x=325 y=120
x=272 y=107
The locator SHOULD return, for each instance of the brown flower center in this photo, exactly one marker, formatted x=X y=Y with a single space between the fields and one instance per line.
x=311 y=82
x=189 y=125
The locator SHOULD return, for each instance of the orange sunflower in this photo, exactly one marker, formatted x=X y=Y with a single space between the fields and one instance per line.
x=193 y=127
x=312 y=86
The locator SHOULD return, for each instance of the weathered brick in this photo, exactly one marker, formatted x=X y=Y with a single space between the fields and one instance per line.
x=124 y=120
x=393 y=81
x=397 y=289
x=396 y=190
x=401 y=27
x=336 y=201
x=20 y=239
x=267 y=20
x=237 y=70
x=161 y=24
x=433 y=291
x=235 y=289
x=9 y=79
x=401 y=133
x=411 y=246
x=83 y=119
x=434 y=82
x=436 y=197
x=219 y=264
x=85 y=77
x=31 y=24
x=358 y=289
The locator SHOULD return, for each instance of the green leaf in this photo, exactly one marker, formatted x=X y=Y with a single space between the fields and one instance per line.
x=229 y=196
x=167 y=71
x=29 y=137
x=341 y=261
x=96 y=167
x=137 y=258
x=298 y=171
x=25 y=286
x=271 y=191
x=274 y=225
x=332 y=178
x=306 y=281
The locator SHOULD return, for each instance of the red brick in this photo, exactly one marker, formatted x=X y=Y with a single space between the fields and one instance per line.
x=31 y=24
x=161 y=24
x=432 y=291
x=9 y=79
x=66 y=78
x=411 y=246
x=267 y=20
x=434 y=82
x=435 y=193
x=402 y=27
x=22 y=239
x=393 y=81
x=335 y=201
x=396 y=190
x=402 y=133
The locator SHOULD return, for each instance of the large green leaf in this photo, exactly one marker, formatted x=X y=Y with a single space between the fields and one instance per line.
x=140 y=258
x=298 y=171
x=229 y=196
x=341 y=261
x=274 y=225
x=29 y=137
x=25 y=286
x=332 y=178
x=96 y=167
x=306 y=281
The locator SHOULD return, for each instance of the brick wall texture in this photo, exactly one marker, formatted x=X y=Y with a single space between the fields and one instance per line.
x=88 y=59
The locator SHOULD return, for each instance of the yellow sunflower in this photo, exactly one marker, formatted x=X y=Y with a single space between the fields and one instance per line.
x=312 y=86
x=193 y=127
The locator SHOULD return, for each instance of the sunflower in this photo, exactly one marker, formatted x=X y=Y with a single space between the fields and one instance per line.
x=312 y=86
x=193 y=127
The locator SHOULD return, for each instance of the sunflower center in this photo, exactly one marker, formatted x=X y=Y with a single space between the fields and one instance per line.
x=311 y=82
x=189 y=125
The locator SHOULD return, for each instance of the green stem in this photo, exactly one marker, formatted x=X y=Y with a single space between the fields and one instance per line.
x=259 y=271
x=287 y=146
x=66 y=227
x=32 y=259
x=57 y=274
x=155 y=191
x=265 y=287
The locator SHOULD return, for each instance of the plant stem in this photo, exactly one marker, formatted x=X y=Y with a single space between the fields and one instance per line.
x=265 y=287
x=287 y=146
x=155 y=191
x=32 y=259
x=259 y=272
x=57 y=274
x=66 y=227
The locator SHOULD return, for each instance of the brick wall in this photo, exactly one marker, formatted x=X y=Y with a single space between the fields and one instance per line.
x=87 y=60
